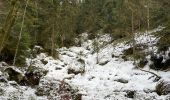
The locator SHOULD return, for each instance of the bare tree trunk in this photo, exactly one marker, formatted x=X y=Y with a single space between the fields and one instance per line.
x=35 y=35
x=62 y=39
x=52 y=41
x=148 y=25
x=20 y=34
x=53 y=36
x=148 y=16
x=139 y=25
x=132 y=22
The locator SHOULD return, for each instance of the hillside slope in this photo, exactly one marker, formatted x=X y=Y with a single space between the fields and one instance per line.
x=96 y=76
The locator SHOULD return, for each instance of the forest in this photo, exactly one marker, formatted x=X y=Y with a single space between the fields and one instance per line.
x=57 y=49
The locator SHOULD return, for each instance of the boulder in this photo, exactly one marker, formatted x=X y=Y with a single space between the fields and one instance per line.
x=58 y=68
x=55 y=88
x=44 y=61
x=166 y=64
x=77 y=96
x=32 y=76
x=157 y=62
x=103 y=63
x=81 y=61
x=142 y=63
x=14 y=74
x=130 y=93
x=3 y=66
x=77 y=67
x=75 y=71
x=121 y=80
x=163 y=87
x=37 y=50
x=3 y=79
x=146 y=90
x=1 y=91
x=103 y=59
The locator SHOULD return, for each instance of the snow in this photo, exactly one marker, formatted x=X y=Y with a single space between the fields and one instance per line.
x=99 y=82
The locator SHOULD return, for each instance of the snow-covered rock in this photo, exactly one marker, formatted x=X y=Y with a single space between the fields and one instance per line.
x=163 y=87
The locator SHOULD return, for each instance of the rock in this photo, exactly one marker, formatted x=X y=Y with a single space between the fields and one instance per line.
x=81 y=61
x=77 y=96
x=163 y=87
x=77 y=67
x=30 y=79
x=74 y=71
x=37 y=50
x=125 y=58
x=14 y=74
x=157 y=62
x=128 y=51
x=92 y=77
x=3 y=66
x=44 y=61
x=103 y=63
x=13 y=83
x=1 y=91
x=55 y=88
x=142 y=63
x=121 y=80
x=39 y=70
x=148 y=90
x=40 y=92
x=115 y=56
x=167 y=97
x=3 y=79
x=58 y=68
x=32 y=76
x=130 y=94
x=167 y=64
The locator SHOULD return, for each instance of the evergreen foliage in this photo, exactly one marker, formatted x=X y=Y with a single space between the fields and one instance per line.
x=55 y=23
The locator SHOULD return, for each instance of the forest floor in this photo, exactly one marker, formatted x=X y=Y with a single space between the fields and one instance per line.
x=97 y=76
